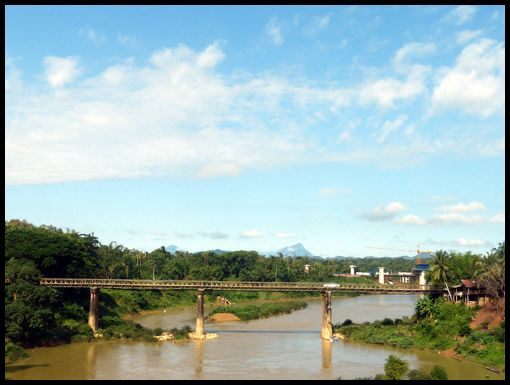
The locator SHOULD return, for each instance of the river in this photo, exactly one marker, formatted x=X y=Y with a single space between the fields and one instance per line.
x=280 y=347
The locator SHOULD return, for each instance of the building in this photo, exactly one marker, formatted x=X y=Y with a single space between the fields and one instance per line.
x=469 y=293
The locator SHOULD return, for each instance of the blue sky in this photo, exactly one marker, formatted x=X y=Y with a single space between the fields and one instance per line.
x=255 y=128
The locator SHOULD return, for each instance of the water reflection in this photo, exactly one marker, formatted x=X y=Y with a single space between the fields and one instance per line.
x=326 y=353
x=199 y=354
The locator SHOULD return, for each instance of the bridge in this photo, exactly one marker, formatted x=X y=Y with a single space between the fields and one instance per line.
x=327 y=290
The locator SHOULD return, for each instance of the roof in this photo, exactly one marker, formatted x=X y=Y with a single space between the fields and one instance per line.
x=469 y=283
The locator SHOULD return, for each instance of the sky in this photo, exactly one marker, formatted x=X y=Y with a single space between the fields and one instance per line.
x=259 y=127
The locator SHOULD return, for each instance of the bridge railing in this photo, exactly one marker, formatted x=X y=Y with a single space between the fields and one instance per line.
x=148 y=284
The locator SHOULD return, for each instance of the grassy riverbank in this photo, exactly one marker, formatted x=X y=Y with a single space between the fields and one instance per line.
x=249 y=312
x=444 y=327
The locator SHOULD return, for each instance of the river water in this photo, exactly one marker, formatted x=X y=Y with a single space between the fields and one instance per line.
x=280 y=347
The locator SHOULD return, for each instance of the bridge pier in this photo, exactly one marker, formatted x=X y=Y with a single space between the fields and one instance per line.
x=94 y=308
x=327 y=326
x=381 y=275
x=199 y=331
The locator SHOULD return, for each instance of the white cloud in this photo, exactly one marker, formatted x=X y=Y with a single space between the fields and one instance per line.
x=500 y=218
x=410 y=220
x=386 y=91
x=467 y=35
x=477 y=82
x=251 y=234
x=61 y=71
x=455 y=219
x=460 y=15
x=332 y=192
x=463 y=208
x=318 y=24
x=127 y=40
x=383 y=213
x=413 y=50
x=283 y=235
x=472 y=242
x=274 y=31
x=390 y=126
x=214 y=234
x=92 y=35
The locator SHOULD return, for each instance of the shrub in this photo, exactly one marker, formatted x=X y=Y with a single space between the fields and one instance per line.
x=395 y=368
x=158 y=331
x=14 y=352
x=85 y=330
x=347 y=322
x=438 y=372
x=387 y=322
x=416 y=374
x=464 y=330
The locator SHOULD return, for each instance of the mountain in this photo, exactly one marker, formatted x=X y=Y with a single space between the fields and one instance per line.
x=297 y=250
x=172 y=249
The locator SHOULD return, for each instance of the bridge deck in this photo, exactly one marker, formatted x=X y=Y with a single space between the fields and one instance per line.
x=145 y=284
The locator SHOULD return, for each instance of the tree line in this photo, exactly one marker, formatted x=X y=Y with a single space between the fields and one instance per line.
x=33 y=252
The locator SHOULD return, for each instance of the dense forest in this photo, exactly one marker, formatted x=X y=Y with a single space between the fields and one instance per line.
x=33 y=312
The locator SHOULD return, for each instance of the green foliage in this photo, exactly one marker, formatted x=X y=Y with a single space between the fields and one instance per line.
x=347 y=322
x=181 y=334
x=395 y=368
x=158 y=331
x=416 y=374
x=438 y=372
x=248 y=312
x=14 y=352
x=387 y=321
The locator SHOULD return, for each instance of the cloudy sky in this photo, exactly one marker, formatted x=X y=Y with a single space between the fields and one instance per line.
x=255 y=128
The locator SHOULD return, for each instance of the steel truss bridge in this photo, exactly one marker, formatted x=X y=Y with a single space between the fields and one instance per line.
x=327 y=290
x=147 y=284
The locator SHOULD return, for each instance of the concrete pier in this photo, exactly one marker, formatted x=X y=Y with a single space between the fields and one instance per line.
x=199 y=331
x=94 y=308
x=422 y=280
x=352 y=267
x=381 y=275
x=327 y=325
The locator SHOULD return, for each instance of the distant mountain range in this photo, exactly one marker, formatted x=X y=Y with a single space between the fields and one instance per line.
x=297 y=250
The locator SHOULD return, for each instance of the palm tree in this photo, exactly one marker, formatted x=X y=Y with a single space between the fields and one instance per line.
x=440 y=270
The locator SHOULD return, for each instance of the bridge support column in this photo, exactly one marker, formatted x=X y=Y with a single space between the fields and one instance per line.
x=327 y=325
x=381 y=275
x=423 y=281
x=94 y=308
x=199 y=331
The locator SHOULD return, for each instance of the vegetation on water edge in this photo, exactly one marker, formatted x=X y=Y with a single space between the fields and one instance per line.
x=437 y=325
x=397 y=368
x=14 y=352
x=248 y=312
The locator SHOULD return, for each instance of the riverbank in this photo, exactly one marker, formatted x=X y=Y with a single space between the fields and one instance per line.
x=448 y=329
x=249 y=312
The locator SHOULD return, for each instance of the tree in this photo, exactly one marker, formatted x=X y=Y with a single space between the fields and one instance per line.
x=439 y=271
x=438 y=373
x=491 y=275
x=395 y=368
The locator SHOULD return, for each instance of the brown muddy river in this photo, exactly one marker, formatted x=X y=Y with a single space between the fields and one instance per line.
x=281 y=347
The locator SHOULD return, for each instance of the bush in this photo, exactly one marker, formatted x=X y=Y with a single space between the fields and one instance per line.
x=395 y=368
x=438 y=372
x=416 y=374
x=14 y=352
x=387 y=322
x=347 y=322
x=158 y=331
x=85 y=330
x=464 y=330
